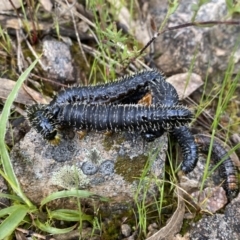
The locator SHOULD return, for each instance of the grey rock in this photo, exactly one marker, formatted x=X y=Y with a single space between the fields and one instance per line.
x=109 y=166
x=126 y=230
x=57 y=60
x=219 y=226
x=208 y=48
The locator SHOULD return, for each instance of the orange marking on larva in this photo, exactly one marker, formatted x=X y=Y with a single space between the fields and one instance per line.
x=232 y=182
x=146 y=100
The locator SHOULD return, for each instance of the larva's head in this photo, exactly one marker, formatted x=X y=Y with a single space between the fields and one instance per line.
x=187 y=166
x=42 y=121
x=231 y=187
x=231 y=194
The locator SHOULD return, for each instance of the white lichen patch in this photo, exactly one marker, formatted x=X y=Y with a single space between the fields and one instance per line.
x=70 y=177
x=94 y=156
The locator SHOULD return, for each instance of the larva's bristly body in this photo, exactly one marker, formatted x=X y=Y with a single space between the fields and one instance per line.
x=43 y=122
x=128 y=89
x=125 y=89
x=227 y=169
x=119 y=117
x=163 y=93
x=188 y=147
x=183 y=135
x=109 y=92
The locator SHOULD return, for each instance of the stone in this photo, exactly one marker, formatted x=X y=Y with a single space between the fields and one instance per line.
x=126 y=230
x=108 y=165
x=207 y=49
x=57 y=61
x=219 y=226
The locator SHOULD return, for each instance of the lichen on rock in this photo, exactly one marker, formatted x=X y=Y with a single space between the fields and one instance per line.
x=70 y=177
x=112 y=172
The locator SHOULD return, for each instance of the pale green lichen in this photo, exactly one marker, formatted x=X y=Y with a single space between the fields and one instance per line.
x=70 y=177
x=94 y=156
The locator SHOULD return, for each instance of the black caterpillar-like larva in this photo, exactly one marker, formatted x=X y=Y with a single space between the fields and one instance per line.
x=182 y=134
x=127 y=89
x=227 y=169
x=129 y=117
x=188 y=148
x=43 y=122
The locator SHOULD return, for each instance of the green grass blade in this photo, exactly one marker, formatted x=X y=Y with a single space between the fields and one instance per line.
x=6 y=162
x=47 y=228
x=10 y=223
x=70 y=215
x=69 y=193
x=10 y=196
x=8 y=210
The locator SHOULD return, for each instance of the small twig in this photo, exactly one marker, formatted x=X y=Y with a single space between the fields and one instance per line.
x=193 y=24
x=83 y=18
x=34 y=36
x=49 y=80
x=98 y=55
x=77 y=35
x=31 y=233
x=19 y=52
x=35 y=54
x=15 y=9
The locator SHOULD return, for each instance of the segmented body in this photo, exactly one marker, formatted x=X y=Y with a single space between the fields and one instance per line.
x=128 y=89
x=131 y=117
x=227 y=169
x=188 y=148
x=182 y=134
